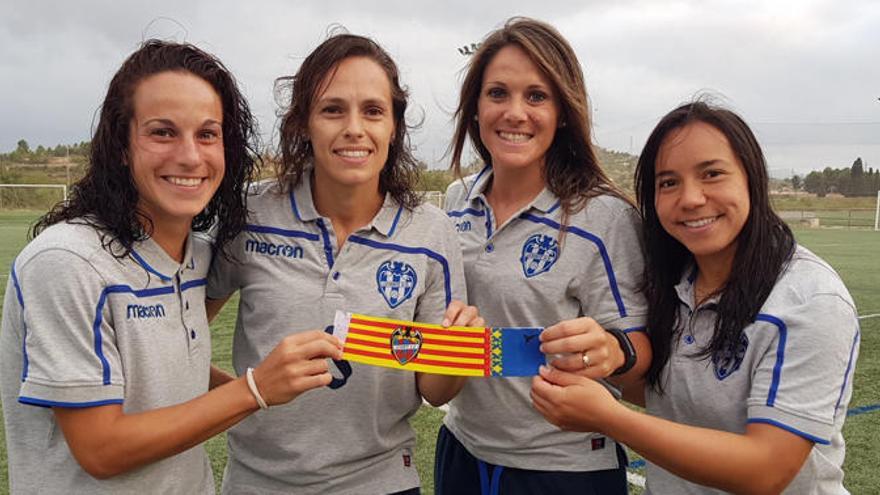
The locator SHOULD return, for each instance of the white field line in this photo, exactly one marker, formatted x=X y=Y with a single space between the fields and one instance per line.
x=865 y=317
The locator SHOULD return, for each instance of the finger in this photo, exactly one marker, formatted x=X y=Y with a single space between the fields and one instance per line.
x=542 y=388
x=306 y=383
x=311 y=336
x=318 y=348
x=467 y=316
x=559 y=377
x=452 y=312
x=311 y=367
x=574 y=343
x=572 y=362
x=567 y=328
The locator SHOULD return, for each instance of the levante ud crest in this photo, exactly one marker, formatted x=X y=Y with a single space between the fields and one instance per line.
x=396 y=281
x=730 y=360
x=406 y=342
x=539 y=253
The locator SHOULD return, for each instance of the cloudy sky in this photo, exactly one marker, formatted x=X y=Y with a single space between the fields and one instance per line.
x=805 y=74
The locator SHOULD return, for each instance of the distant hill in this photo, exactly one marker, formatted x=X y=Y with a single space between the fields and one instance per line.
x=620 y=167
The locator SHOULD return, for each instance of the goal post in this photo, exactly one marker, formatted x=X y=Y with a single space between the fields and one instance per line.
x=877 y=212
x=31 y=196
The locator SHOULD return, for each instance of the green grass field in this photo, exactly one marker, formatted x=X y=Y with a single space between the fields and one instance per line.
x=855 y=254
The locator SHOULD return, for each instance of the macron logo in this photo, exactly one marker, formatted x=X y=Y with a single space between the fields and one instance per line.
x=270 y=249
x=138 y=311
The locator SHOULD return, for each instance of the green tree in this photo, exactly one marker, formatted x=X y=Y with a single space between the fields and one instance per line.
x=796 y=182
x=814 y=183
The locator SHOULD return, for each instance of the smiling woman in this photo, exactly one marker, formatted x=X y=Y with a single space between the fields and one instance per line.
x=755 y=338
x=548 y=241
x=175 y=151
x=105 y=348
x=344 y=197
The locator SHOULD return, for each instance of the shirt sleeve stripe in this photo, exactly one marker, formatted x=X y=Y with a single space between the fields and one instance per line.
x=790 y=429
x=24 y=367
x=50 y=403
x=852 y=352
x=780 y=355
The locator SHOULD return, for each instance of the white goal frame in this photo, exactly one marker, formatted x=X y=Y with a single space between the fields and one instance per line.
x=877 y=213
x=63 y=188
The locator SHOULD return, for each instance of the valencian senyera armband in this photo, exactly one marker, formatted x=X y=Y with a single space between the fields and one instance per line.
x=463 y=351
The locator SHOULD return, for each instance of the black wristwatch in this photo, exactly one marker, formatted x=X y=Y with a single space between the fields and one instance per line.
x=629 y=352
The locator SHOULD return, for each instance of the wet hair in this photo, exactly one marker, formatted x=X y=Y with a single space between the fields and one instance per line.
x=400 y=172
x=764 y=245
x=106 y=197
x=572 y=171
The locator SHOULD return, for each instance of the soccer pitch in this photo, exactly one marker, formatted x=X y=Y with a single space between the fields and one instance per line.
x=853 y=253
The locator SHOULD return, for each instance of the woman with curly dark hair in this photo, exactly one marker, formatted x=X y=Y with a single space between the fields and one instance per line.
x=105 y=346
x=340 y=228
x=755 y=338
x=548 y=241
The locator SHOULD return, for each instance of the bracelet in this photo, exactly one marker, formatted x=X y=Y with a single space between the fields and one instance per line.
x=253 y=386
x=629 y=352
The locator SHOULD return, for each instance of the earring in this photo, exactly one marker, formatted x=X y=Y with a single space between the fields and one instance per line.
x=476 y=119
x=562 y=124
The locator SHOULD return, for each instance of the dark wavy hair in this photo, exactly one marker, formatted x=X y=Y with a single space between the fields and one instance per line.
x=400 y=173
x=764 y=245
x=572 y=171
x=106 y=197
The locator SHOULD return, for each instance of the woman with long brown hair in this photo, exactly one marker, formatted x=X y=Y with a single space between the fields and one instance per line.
x=547 y=241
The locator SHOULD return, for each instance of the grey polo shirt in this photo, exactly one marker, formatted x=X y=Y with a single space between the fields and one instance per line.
x=793 y=368
x=524 y=274
x=355 y=438
x=82 y=328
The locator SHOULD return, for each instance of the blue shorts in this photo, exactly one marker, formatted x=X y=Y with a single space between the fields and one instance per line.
x=457 y=472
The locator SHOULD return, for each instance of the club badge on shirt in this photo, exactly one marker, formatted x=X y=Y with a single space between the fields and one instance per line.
x=730 y=359
x=396 y=282
x=539 y=253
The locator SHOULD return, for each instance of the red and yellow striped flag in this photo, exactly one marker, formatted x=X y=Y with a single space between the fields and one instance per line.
x=407 y=345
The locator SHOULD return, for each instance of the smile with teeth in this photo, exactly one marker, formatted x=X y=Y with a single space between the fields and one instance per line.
x=184 y=181
x=702 y=222
x=353 y=153
x=514 y=137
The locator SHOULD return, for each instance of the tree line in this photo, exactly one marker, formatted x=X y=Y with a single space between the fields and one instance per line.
x=23 y=153
x=850 y=182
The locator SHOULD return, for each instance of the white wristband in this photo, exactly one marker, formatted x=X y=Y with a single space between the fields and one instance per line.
x=253 y=386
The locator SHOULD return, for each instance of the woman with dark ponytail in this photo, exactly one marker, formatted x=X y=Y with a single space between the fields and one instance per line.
x=755 y=338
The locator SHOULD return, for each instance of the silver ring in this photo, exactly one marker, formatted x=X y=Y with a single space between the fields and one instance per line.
x=586 y=359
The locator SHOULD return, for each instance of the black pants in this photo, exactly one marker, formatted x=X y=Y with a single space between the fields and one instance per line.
x=457 y=472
